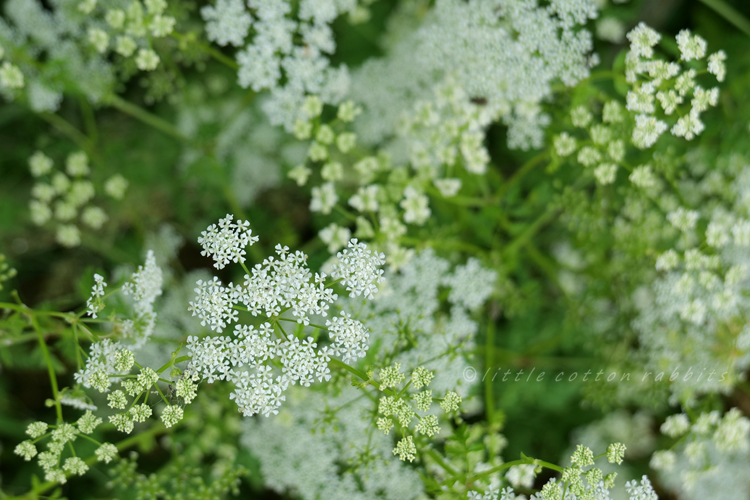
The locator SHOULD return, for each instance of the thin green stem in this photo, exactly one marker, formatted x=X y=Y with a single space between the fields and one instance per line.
x=309 y=324
x=281 y=328
x=218 y=56
x=531 y=230
x=442 y=463
x=50 y=368
x=64 y=126
x=89 y=120
x=173 y=362
x=520 y=173
x=25 y=310
x=144 y=116
x=122 y=445
x=351 y=369
x=489 y=396
x=162 y=394
x=84 y=436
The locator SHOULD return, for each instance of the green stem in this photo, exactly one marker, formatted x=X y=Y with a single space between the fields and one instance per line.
x=64 y=126
x=162 y=395
x=520 y=173
x=207 y=49
x=122 y=445
x=442 y=463
x=25 y=310
x=173 y=362
x=309 y=324
x=530 y=231
x=89 y=120
x=50 y=368
x=489 y=397
x=148 y=118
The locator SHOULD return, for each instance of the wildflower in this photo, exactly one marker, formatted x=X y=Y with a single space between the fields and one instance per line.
x=405 y=449
x=40 y=164
x=428 y=426
x=25 y=449
x=36 y=429
x=564 y=144
x=451 y=401
x=416 y=206
x=10 y=76
x=88 y=422
x=676 y=425
x=324 y=198
x=683 y=219
x=227 y=243
x=642 y=40
x=75 y=465
x=647 y=130
x=358 y=268
x=147 y=60
x=716 y=65
x=335 y=236
x=116 y=186
x=582 y=457
x=421 y=377
x=615 y=453
x=106 y=453
x=391 y=376
x=691 y=47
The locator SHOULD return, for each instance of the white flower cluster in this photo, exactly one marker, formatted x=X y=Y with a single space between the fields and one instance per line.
x=359 y=269
x=298 y=452
x=440 y=340
x=605 y=152
x=106 y=358
x=471 y=284
x=227 y=243
x=62 y=437
x=349 y=337
x=656 y=80
x=677 y=329
x=287 y=53
x=447 y=131
x=144 y=286
x=700 y=295
x=247 y=362
x=642 y=491
x=64 y=197
x=710 y=459
x=402 y=408
x=128 y=31
x=95 y=303
x=59 y=31
x=227 y=22
x=273 y=288
x=580 y=481
x=460 y=39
